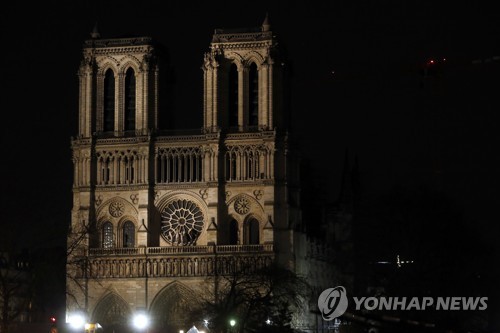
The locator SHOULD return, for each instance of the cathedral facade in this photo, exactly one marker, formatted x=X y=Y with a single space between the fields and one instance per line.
x=156 y=213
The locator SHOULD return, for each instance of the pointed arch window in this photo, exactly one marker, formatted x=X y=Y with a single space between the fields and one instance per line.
x=233 y=96
x=252 y=231
x=107 y=235
x=128 y=234
x=253 y=96
x=109 y=101
x=233 y=232
x=130 y=98
x=230 y=164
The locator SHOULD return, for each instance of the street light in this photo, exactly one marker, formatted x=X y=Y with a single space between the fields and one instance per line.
x=76 y=320
x=232 y=323
x=140 y=321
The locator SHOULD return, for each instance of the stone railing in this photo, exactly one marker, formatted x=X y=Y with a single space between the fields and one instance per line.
x=174 y=261
x=169 y=250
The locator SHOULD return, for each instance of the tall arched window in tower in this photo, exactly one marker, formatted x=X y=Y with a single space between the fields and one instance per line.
x=233 y=232
x=107 y=235
x=130 y=100
x=251 y=231
x=128 y=234
x=230 y=164
x=233 y=96
x=109 y=101
x=253 y=96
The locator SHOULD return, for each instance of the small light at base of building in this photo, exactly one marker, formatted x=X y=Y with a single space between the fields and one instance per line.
x=76 y=320
x=141 y=321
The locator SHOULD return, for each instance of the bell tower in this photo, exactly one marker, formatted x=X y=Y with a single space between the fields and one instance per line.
x=118 y=109
x=118 y=87
x=244 y=101
x=241 y=80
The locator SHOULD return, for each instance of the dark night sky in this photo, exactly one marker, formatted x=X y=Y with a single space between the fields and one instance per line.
x=356 y=85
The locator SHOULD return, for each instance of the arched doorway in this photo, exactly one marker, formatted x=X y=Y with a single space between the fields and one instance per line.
x=173 y=307
x=113 y=314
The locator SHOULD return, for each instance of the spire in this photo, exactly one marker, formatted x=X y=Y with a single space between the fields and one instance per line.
x=265 y=25
x=95 y=33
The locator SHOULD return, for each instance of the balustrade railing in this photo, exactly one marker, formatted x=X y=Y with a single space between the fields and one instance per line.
x=169 y=250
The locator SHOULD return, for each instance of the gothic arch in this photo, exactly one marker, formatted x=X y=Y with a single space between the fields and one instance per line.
x=252 y=230
x=112 y=313
x=254 y=217
x=126 y=218
x=253 y=57
x=121 y=231
x=255 y=208
x=113 y=206
x=243 y=208
x=107 y=86
x=116 y=211
x=129 y=77
x=105 y=64
x=235 y=58
x=169 y=197
x=130 y=62
x=172 y=306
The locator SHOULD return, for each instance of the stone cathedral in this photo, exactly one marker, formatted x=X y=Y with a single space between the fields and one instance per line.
x=155 y=212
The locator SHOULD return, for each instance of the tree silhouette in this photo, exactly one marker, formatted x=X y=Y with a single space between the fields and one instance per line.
x=260 y=301
x=16 y=283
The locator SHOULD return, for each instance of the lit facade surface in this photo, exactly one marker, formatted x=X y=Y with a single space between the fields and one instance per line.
x=155 y=213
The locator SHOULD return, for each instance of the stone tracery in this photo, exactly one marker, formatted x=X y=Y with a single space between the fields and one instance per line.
x=182 y=222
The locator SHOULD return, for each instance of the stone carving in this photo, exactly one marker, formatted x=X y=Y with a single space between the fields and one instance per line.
x=181 y=222
x=134 y=198
x=242 y=205
x=116 y=208
x=258 y=194
x=204 y=194
x=173 y=267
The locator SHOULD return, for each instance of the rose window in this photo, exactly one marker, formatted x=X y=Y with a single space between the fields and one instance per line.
x=242 y=205
x=116 y=208
x=181 y=222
